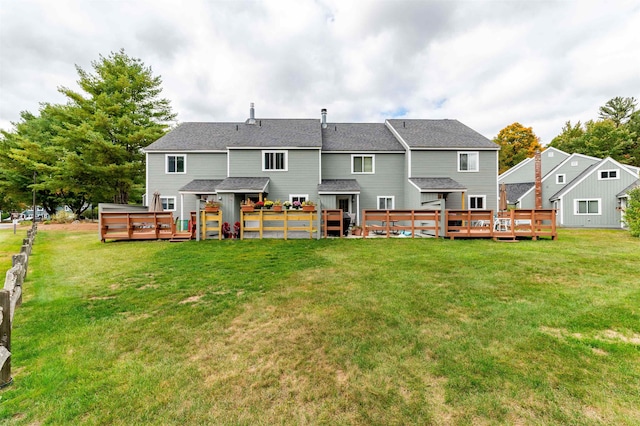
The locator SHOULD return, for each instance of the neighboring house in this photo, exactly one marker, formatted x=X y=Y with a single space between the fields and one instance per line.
x=398 y=164
x=585 y=191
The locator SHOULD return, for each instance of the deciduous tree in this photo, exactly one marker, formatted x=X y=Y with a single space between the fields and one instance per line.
x=516 y=144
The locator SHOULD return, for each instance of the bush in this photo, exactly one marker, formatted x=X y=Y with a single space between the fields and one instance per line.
x=632 y=214
x=63 y=217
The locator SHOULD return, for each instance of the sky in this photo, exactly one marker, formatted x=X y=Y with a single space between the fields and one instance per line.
x=485 y=63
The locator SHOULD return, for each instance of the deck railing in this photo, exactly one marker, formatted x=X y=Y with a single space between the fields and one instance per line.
x=284 y=222
x=136 y=225
x=529 y=223
x=396 y=222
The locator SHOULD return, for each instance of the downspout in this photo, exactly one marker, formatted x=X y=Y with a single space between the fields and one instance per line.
x=181 y=211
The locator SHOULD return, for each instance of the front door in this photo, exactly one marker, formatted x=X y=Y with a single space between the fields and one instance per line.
x=344 y=203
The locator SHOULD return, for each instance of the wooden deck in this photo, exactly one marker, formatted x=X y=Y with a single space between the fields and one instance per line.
x=513 y=224
x=285 y=224
x=136 y=226
x=408 y=223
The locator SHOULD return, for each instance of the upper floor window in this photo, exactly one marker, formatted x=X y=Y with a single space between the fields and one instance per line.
x=168 y=203
x=574 y=163
x=386 y=202
x=477 y=202
x=468 y=162
x=561 y=179
x=274 y=160
x=550 y=154
x=362 y=164
x=176 y=163
x=609 y=174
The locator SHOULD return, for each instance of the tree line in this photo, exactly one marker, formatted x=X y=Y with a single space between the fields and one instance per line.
x=615 y=134
x=88 y=150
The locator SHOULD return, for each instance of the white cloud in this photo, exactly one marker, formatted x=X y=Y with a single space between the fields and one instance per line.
x=486 y=63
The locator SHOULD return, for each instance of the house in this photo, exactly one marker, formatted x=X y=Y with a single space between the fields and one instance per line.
x=398 y=164
x=586 y=191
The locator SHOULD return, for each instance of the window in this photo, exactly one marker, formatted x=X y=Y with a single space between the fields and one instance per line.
x=385 y=202
x=467 y=161
x=362 y=164
x=298 y=197
x=477 y=202
x=274 y=160
x=609 y=174
x=168 y=203
x=588 y=206
x=176 y=163
x=550 y=154
x=560 y=179
x=574 y=163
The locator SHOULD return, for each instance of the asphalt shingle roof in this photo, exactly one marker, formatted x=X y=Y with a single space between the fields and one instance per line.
x=625 y=191
x=339 y=185
x=440 y=134
x=569 y=185
x=244 y=184
x=265 y=133
x=517 y=190
x=359 y=137
x=437 y=184
x=201 y=186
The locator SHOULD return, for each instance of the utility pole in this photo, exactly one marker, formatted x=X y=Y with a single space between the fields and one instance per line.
x=34 y=196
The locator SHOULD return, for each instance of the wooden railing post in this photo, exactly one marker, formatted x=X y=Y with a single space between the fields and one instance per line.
x=5 y=339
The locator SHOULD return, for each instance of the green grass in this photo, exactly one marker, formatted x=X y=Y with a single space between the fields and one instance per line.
x=328 y=332
x=10 y=244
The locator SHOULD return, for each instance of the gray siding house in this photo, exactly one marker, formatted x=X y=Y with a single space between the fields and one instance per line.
x=398 y=164
x=586 y=191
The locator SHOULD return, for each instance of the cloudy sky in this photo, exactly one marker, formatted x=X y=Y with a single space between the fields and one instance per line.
x=485 y=63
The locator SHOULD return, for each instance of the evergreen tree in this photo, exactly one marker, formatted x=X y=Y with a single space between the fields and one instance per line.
x=118 y=112
x=618 y=110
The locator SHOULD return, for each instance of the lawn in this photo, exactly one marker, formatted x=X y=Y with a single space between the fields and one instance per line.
x=328 y=332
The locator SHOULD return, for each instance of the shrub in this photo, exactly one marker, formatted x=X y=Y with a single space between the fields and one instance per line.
x=63 y=217
x=632 y=214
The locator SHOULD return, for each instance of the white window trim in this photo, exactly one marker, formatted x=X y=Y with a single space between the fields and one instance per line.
x=393 y=201
x=477 y=154
x=166 y=164
x=564 y=178
x=168 y=198
x=577 y=200
x=292 y=196
x=574 y=163
x=276 y=151
x=609 y=171
x=373 y=164
x=484 y=202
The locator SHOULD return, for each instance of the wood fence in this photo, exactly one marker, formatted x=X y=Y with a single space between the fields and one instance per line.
x=529 y=223
x=10 y=299
x=282 y=223
x=408 y=223
x=136 y=226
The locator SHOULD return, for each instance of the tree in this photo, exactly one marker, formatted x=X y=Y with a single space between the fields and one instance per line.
x=632 y=213
x=106 y=127
x=570 y=140
x=618 y=110
x=516 y=144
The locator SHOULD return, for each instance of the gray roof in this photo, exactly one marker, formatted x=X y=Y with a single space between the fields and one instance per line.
x=517 y=190
x=265 y=133
x=437 y=184
x=329 y=186
x=625 y=192
x=244 y=184
x=366 y=137
x=201 y=186
x=440 y=134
